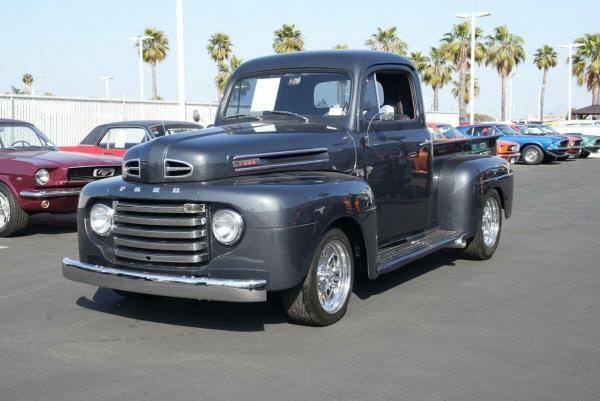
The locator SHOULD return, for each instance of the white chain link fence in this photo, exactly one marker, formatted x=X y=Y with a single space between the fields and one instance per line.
x=67 y=120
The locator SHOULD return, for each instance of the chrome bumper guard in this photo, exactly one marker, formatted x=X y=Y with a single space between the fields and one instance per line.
x=166 y=285
x=50 y=193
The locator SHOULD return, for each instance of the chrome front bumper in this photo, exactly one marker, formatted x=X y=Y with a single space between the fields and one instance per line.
x=51 y=193
x=166 y=285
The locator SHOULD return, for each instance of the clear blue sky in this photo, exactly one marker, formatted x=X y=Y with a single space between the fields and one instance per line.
x=74 y=42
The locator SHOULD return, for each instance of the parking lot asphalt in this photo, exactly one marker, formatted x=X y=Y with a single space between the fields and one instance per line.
x=522 y=326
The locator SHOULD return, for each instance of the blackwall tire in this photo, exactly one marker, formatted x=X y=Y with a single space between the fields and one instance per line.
x=322 y=298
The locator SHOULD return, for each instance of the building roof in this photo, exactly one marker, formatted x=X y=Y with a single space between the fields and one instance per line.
x=589 y=110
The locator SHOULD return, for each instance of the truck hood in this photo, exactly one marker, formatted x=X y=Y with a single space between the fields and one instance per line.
x=56 y=159
x=241 y=149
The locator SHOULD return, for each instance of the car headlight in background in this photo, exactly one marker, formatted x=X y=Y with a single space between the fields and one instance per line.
x=101 y=219
x=227 y=226
x=513 y=148
x=42 y=176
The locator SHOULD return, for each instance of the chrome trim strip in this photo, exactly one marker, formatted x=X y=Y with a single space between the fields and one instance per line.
x=158 y=257
x=166 y=285
x=280 y=165
x=153 y=233
x=140 y=243
x=160 y=221
x=281 y=153
x=186 y=208
x=51 y=193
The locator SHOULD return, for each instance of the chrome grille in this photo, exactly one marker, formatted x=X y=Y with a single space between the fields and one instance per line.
x=165 y=235
x=131 y=168
x=564 y=144
x=177 y=169
x=92 y=173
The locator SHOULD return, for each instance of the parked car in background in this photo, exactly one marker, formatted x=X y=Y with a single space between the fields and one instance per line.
x=535 y=149
x=589 y=143
x=319 y=168
x=508 y=150
x=115 y=138
x=575 y=141
x=36 y=177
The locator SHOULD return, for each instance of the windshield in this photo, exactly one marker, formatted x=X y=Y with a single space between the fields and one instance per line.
x=534 y=130
x=450 y=132
x=299 y=96
x=23 y=137
x=548 y=130
x=506 y=130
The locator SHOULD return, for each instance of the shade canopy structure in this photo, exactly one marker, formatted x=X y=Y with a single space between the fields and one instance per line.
x=593 y=110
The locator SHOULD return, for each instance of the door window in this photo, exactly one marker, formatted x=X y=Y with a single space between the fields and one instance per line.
x=391 y=88
x=123 y=138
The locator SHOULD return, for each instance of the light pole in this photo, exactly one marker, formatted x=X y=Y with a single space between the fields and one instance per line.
x=540 y=87
x=472 y=17
x=106 y=78
x=140 y=42
x=180 y=59
x=570 y=46
x=509 y=99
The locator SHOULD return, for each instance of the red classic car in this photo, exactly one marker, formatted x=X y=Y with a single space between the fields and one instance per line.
x=508 y=150
x=36 y=177
x=115 y=138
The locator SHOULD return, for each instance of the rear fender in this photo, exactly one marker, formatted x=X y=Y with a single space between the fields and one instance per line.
x=462 y=183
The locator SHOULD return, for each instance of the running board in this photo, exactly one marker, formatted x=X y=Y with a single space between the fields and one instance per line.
x=393 y=257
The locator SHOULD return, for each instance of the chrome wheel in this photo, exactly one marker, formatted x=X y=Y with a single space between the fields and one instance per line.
x=4 y=210
x=490 y=222
x=333 y=276
x=531 y=155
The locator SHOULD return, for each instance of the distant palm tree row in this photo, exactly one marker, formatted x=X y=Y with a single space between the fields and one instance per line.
x=449 y=62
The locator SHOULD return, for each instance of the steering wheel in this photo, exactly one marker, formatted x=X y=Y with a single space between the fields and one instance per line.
x=25 y=144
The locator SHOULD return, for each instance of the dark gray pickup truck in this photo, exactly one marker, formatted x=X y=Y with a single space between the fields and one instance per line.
x=319 y=168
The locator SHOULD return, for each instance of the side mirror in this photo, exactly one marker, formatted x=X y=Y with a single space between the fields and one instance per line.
x=386 y=112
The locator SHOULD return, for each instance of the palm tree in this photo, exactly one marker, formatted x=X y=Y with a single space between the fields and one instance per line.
x=154 y=50
x=586 y=64
x=456 y=88
x=456 y=47
x=388 y=41
x=544 y=58
x=225 y=71
x=219 y=47
x=340 y=46
x=28 y=81
x=420 y=60
x=505 y=51
x=437 y=73
x=288 y=39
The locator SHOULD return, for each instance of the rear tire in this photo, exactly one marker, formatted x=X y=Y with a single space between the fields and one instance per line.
x=532 y=155
x=13 y=219
x=322 y=298
x=489 y=227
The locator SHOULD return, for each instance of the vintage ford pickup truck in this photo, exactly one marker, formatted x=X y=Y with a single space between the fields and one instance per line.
x=319 y=168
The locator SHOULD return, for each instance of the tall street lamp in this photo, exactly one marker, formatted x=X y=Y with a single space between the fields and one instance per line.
x=106 y=78
x=180 y=59
x=570 y=46
x=140 y=42
x=509 y=100
x=472 y=17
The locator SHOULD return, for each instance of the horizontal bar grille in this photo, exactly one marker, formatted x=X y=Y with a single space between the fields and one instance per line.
x=92 y=173
x=161 y=235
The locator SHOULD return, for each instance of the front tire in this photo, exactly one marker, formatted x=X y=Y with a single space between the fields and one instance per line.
x=532 y=155
x=13 y=219
x=489 y=227
x=584 y=154
x=322 y=298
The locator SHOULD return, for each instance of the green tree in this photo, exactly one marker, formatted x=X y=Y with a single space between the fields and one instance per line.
x=504 y=51
x=15 y=91
x=456 y=88
x=154 y=50
x=288 y=39
x=586 y=64
x=544 y=58
x=456 y=47
x=340 y=46
x=225 y=71
x=420 y=60
x=28 y=81
x=219 y=47
x=388 y=41
x=437 y=73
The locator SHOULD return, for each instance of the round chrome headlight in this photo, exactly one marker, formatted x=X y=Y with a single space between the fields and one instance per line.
x=101 y=219
x=42 y=176
x=227 y=226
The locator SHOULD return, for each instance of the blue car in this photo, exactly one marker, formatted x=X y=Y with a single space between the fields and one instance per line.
x=535 y=149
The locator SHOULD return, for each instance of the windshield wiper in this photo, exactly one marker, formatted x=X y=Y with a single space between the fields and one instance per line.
x=257 y=118
x=290 y=113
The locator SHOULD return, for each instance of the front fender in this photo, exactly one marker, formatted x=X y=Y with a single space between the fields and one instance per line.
x=462 y=182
